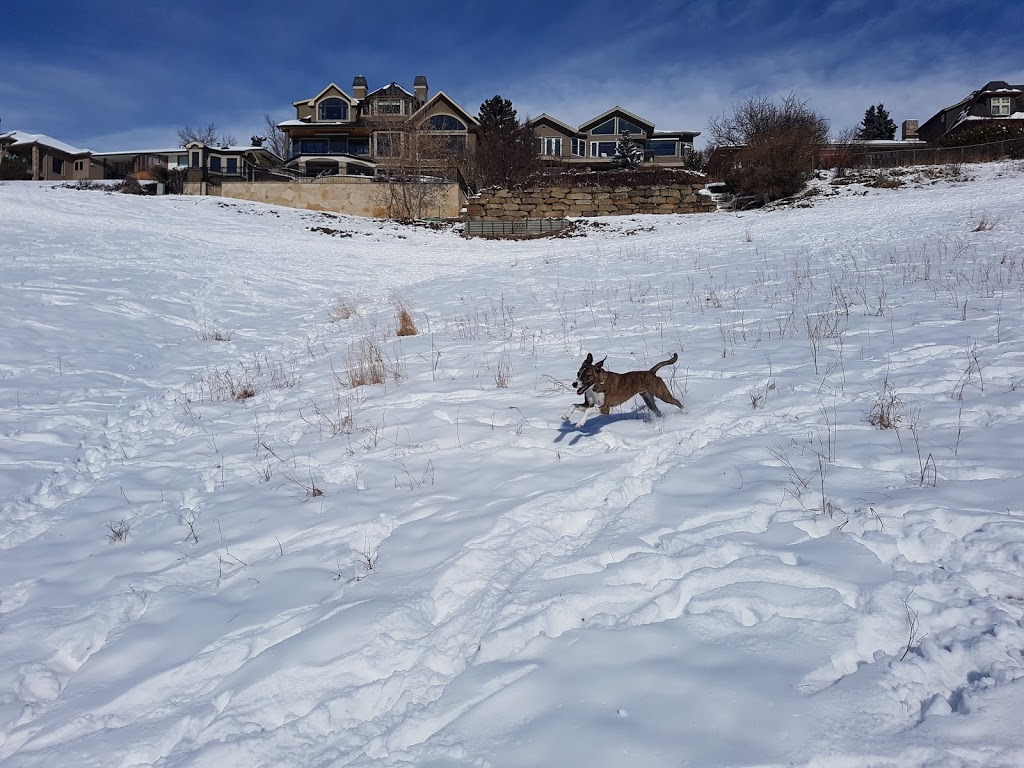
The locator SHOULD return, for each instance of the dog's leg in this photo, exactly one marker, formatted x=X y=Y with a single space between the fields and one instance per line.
x=572 y=409
x=587 y=413
x=649 y=400
x=664 y=394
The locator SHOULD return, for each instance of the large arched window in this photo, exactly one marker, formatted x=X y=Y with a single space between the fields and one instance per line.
x=333 y=109
x=444 y=123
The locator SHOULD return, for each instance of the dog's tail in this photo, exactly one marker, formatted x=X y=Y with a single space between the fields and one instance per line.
x=663 y=363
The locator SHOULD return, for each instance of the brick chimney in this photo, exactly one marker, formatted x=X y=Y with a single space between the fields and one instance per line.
x=359 y=88
x=419 y=87
x=909 y=130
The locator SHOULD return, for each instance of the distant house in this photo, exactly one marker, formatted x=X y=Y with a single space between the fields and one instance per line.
x=995 y=104
x=201 y=161
x=49 y=158
x=350 y=134
x=592 y=145
x=137 y=162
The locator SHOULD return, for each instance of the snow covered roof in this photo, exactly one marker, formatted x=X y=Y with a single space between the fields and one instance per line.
x=133 y=152
x=20 y=137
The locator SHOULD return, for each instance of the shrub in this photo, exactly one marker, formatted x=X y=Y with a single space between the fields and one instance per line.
x=14 y=168
x=773 y=147
x=366 y=364
x=406 y=325
x=342 y=310
x=983 y=134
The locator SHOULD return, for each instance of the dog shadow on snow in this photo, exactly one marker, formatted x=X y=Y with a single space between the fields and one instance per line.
x=592 y=427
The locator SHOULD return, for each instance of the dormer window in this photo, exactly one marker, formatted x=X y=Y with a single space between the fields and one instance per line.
x=333 y=109
x=390 y=107
x=1000 y=105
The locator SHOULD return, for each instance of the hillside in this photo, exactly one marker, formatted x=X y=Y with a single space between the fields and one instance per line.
x=220 y=547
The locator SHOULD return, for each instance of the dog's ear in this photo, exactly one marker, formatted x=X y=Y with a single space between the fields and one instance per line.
x=601 y=364
x=589 y=360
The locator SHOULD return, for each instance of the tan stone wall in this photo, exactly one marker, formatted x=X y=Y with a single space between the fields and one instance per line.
x=557 y=202
x=354 y=196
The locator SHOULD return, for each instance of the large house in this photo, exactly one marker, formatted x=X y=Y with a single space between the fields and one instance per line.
x=995 y=104
x=352 y=134
x=50 y=159
x=593 y=144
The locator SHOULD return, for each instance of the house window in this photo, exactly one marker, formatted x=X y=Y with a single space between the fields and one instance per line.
x=360 y=147
x=607 y=128
x=635 y=130
x=389 y=108
x=315 y=146
x=333 y=109
x=444 y=123
x=602 y=148
x=389 y=144
x=79 y=165
x=579 y=147
x=182 y=160
x=195 y=160
x=1000 y=105
x=232 y=165
x=214 y=163
x=551 y=145
x=58 y=166
x=662 y=147
x=445 y=146
x=456 y=144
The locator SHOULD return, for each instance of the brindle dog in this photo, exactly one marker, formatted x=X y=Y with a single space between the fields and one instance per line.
x=603 y=390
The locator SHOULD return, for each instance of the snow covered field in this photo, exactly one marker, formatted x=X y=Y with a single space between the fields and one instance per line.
x=436 y=570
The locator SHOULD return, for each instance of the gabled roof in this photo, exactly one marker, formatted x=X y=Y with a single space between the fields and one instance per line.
x=389 y=90
x=544 y=117
x=999 y=86
x=993 y=87
x=452 y=104
x=26 y=139
x=315 y=99
x=616 y=110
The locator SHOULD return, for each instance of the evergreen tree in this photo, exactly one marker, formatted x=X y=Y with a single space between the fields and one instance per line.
x=497 y=114
x=506 y=150
x=628 y=153
x=876 y=124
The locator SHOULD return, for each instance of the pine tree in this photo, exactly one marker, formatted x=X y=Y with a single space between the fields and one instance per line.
x=876 y=124
x=628 y=153
x=497 y=114
x=506 y=150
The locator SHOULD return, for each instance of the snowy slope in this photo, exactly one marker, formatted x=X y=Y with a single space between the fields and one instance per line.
x=436 y=569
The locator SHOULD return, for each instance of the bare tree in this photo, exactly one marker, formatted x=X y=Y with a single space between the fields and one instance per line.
x=415 y=166
x=846 y=152
x=276 y=139
x=773 y=147
x=208 y=135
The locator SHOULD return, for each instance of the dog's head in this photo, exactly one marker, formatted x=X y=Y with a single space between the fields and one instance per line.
x=588 y=374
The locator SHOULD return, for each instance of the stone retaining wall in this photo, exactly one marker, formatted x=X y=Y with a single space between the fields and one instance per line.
x=554 y=202
x=338 y=194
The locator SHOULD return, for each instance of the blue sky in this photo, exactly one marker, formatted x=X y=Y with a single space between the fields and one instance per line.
x=125 y=75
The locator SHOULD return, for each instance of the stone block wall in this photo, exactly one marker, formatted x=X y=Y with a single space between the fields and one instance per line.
x=338 y=194
x=558 y=202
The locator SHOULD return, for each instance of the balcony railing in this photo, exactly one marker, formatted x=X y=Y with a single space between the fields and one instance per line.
x=329 y=148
